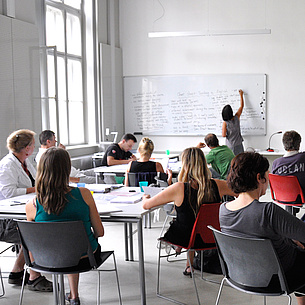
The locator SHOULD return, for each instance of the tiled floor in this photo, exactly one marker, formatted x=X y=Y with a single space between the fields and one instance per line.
x=174 y=283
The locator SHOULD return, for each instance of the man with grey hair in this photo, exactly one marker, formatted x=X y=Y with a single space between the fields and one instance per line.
x=293 y=161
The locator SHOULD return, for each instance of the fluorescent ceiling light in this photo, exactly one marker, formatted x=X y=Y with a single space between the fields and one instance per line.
x=209 y=33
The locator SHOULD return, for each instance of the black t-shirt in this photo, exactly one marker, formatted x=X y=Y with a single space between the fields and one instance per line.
x=117 y=153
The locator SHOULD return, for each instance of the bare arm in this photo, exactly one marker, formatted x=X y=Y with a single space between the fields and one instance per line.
x=173 y=193
x=224 y=189
x=126 y=174
x=159 y=167
x=240 y=110
x=30 y=210
x=30 y=190
x=94 y=216
x=112 y=161
x=224 y=129
x=200 y=145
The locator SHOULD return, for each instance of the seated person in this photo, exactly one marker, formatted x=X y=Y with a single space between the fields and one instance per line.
x=293 y=161
x=146 y=147
x=246 y=216
x=17 y=177
x=57 y=201
x=219 y=157
x=194 y=187
x=119 y=153
x=47 y=139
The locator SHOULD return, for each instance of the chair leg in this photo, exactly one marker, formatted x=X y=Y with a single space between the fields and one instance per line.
x=219 y=291
x=164 y=224
x=61 y=289
x=117 y=278
x=98 y=297
x=55 y=288
x=22 y=286
x=158 y=281
x=193 y=275
x=3 y=290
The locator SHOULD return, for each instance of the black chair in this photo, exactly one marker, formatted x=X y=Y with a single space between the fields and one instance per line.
x=134 y=178
x=251 y=266
x=57 y=248
x=151 y=178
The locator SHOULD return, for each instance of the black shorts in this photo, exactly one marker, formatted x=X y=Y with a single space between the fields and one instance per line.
x=9 y=232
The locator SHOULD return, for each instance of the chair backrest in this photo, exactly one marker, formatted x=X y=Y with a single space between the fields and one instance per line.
x=248 y=262
x=286 y=189
x=208 y=215
x=134 y=178
x=55 y=244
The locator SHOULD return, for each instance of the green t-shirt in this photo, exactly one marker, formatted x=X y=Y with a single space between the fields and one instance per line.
x=220 y=158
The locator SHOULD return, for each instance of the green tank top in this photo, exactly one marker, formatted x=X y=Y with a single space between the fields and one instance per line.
x=75 y=209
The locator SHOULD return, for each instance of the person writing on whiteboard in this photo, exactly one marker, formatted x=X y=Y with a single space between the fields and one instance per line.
x=231 y=126
x=144 y=165
x=119 y=153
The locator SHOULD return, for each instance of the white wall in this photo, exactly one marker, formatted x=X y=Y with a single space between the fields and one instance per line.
x=280 y=54
x=19 y=73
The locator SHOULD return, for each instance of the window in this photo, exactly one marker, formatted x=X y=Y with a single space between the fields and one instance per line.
x=65 y=106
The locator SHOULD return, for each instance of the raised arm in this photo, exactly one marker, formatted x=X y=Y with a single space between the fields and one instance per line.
x=224 y=189
x=240 y=110
x=224 y=129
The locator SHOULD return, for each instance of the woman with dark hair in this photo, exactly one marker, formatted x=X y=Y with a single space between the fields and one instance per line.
x=231 y=126
x=246 y=216
x=57 y=201
x=194 y=188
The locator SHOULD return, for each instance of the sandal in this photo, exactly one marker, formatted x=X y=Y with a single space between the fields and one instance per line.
x=15 y=278
x=68 y=299
x=40 y=284
x=187 y=273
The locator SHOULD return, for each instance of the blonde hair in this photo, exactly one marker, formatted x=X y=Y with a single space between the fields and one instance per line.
x=194 y=169
x=52 y=179
x=19 y=139
x=146 y=147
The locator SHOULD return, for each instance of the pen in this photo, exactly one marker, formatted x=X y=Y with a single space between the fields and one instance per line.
x=17 y=203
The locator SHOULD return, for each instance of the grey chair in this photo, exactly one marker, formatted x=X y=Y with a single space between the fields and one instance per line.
x=2 y=285
x=57 y=248
x=251 y=266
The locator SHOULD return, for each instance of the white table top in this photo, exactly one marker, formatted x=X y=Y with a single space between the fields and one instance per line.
x=154 y=156
x=16 y=205
x=121 y=168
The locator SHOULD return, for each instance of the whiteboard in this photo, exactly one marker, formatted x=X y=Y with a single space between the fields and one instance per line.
x=192 y=104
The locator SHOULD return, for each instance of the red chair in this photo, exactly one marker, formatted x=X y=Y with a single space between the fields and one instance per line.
x=286 y=190
x=208 y=215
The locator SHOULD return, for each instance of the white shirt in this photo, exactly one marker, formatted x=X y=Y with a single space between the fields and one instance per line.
x=74 y=172
x=13 y=179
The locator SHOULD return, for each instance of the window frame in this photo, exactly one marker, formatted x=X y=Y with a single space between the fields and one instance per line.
x=79 y=13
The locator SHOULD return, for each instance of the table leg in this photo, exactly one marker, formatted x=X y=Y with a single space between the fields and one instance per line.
x=141 y=262
x=130 y=241
x=126 y=241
